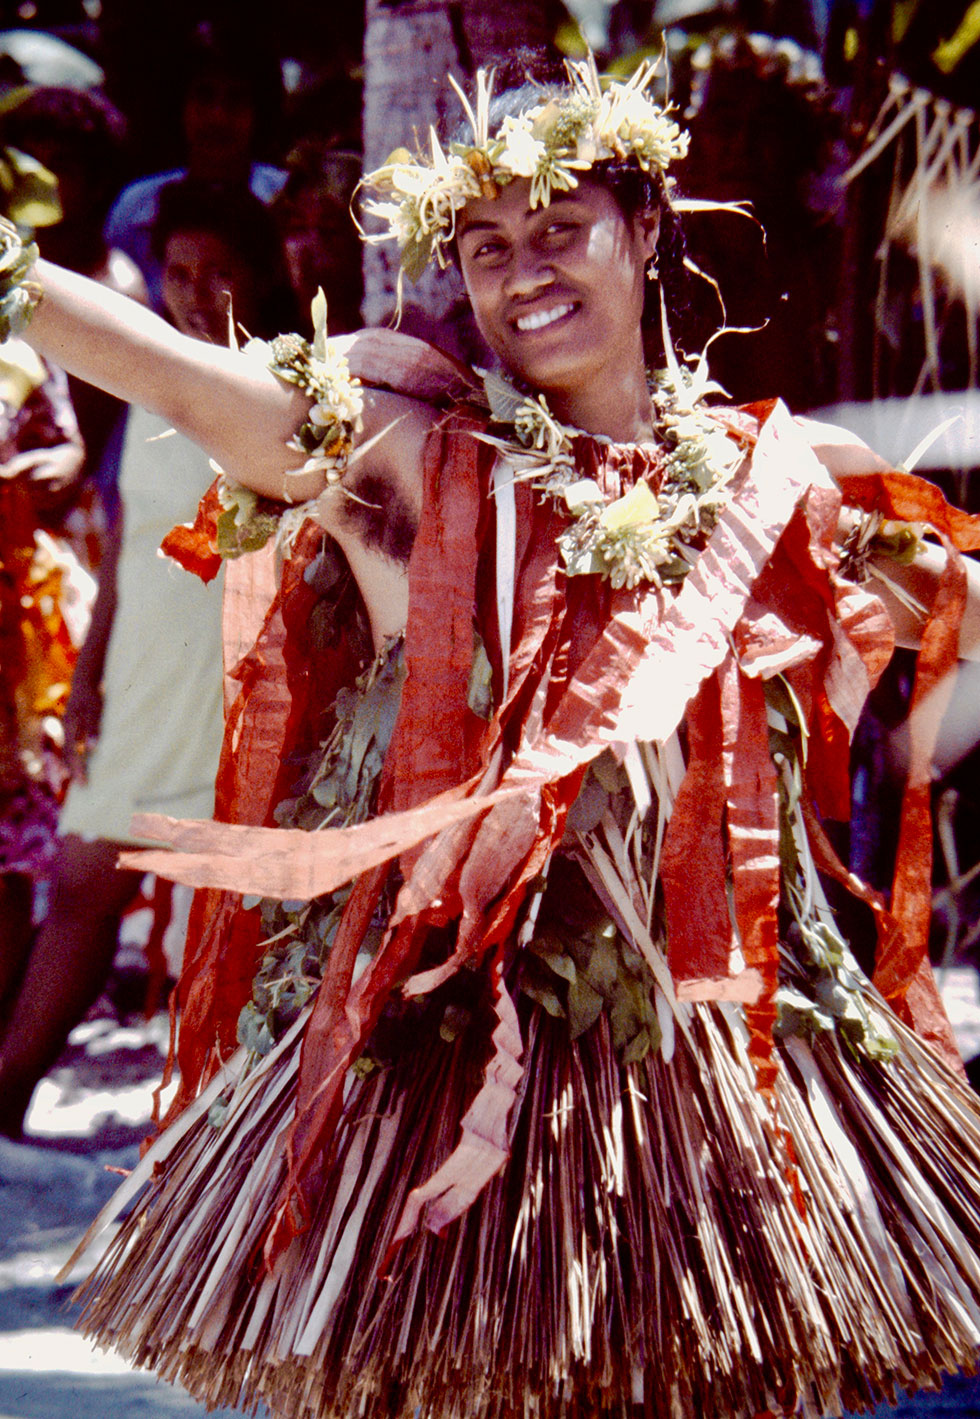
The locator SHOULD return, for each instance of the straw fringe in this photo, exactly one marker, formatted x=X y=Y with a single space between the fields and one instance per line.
x=644 y=1238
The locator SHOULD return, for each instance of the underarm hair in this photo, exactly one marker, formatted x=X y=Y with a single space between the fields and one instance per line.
x=382 y=516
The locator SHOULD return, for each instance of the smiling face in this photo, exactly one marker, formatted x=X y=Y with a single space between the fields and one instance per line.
x=558 y=295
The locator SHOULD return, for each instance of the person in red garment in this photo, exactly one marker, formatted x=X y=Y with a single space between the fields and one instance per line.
x=556 y=1086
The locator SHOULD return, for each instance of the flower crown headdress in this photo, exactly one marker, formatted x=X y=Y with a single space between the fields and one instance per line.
x=565 y=134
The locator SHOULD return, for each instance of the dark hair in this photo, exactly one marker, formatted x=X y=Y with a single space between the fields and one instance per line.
x=237 y=217
x=226 y=47
x=82 y=113
x=635 y=191
x=80 y=120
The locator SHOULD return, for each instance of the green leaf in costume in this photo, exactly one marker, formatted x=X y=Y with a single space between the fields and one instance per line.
x=584 y=1006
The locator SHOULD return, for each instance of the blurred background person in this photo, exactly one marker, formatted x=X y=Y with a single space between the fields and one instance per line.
x=144 y=718
x=80 y=137
x=40 y=628
x=320 y=241
x=231 y=94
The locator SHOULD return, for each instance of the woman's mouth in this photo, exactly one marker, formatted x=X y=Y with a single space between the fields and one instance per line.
x=539 y=319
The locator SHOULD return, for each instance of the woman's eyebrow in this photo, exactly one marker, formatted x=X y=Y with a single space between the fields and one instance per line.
x=486 y=225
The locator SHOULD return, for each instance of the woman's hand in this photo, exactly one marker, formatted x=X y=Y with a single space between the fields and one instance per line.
x=83 y=715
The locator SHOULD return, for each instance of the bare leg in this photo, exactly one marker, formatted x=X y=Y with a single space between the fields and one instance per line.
x=16 y=934
x=67 y=968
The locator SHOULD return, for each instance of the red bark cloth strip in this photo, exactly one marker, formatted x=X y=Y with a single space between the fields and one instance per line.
x=692 y=867
x=907 y=498
x=902 y=973
x=194 y=545
x=437 y=738
x=283 y=862
x=753 y=837
x=848 y=628
x=250 y=588
x=931 y=1023
x=485 y=1144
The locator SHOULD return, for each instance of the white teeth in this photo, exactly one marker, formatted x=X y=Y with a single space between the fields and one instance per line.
x=541 y=318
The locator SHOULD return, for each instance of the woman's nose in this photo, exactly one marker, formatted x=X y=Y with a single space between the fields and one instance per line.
x=528 y=271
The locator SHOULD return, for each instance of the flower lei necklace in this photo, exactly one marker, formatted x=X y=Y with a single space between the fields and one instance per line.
x=642 y=536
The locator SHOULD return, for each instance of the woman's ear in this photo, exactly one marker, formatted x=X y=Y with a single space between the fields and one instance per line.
x=648 y=231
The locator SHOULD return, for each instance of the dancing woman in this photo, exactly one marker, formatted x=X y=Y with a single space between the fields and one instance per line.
x=558 y=1086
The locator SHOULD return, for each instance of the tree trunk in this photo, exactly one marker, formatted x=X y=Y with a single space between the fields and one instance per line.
x=409 y=50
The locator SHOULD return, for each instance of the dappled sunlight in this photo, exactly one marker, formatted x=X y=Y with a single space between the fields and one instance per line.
x=55 y=1349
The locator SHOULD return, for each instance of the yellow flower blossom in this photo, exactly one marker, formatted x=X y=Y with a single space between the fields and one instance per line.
x=633 y=509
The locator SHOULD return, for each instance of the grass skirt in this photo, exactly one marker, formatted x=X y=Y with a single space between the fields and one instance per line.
x=661 y=1241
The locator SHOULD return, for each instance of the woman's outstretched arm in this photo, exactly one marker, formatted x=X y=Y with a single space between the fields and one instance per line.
x=234 y=407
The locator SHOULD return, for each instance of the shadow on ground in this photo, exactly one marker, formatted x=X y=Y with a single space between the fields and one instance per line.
x=24 y=1394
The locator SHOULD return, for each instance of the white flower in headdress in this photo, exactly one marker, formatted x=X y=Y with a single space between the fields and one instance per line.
x=632 y=124
x=522 y=152
x=586 y=149
x=400 y=219
x=548 y=144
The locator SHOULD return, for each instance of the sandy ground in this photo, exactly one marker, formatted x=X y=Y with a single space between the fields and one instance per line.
x=87 y=1118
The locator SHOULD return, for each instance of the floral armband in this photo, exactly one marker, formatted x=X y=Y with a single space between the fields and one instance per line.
x=320 y=369
x=18 y=297
x=246 y=520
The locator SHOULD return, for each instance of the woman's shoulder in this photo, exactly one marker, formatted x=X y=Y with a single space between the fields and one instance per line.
x=386 y=359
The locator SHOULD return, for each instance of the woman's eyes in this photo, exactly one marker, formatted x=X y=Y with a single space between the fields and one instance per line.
x=188 y=276
x=495 y=248
x=559 y=229
x=486 y=250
